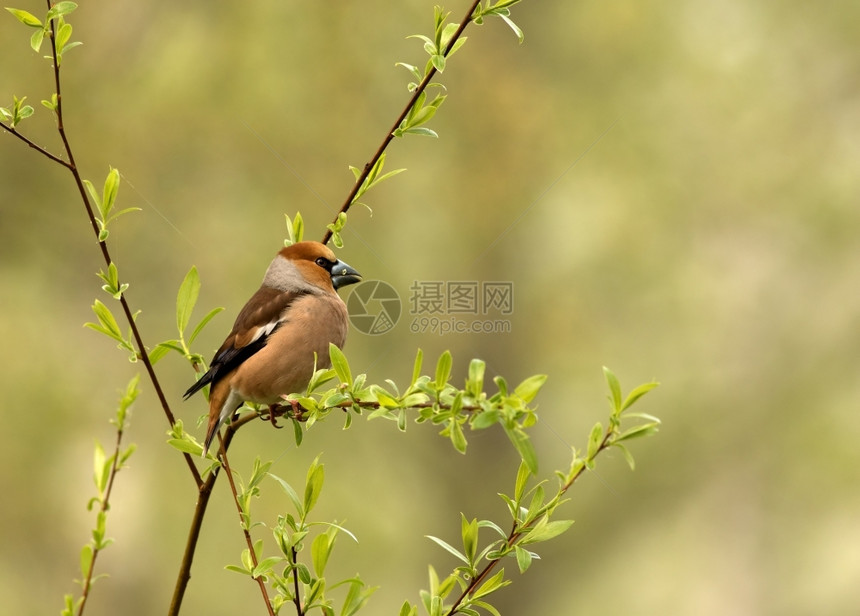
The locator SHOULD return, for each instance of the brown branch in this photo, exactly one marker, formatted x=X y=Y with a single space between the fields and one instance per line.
x=205 y=491
x=72 y=167
x=296 y=599
x=516 y=532
x=390 y=135
x=260 y=579
x=35 y=146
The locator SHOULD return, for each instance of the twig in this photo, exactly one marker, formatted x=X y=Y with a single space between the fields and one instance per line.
x=35 y=146
x=105 y=505
x=205 y=491
x=296 y=599
x=390 y=135
x=72 y=167
x=517 y=533
x=260 y=579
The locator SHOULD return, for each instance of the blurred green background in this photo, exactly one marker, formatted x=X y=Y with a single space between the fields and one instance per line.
x=672 y=188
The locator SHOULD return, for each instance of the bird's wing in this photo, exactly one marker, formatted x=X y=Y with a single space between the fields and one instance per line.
x=261 y=316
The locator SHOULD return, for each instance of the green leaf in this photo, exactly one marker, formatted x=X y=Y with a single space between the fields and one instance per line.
x=638 y=432
x=93 y=194
x=107 y=323
x=524 y=558
x=416 y=367
x=320 y=551
x=111 y=188
x=86 y=560
x=237 y=569
x=501 y=384
x=61 y=8
x=356 y=597
x=64 y=33
x=628 y=457
x=186 y=446
x=637 y=393
x=523 y=475
x=517 y=30
x=494 y=583
x=544 y=531
x=101 y=468
x=36 y=39
x=189 y=290
x=313 y=486
x=408 y=610
x=614 y=389
x=475 y=382
x=448 y=547
x=28 y=19
x=524 y=447
x=412 y=69
x=438 y=62
x=594 y=440
x=266 y=565
x=294 y=497
x=469 y=532
x=486 y=606
x=459 y=43
x=528 y=389
x=386 y=400
x=458 y=439
x=298 y=432
x=484 y=419
x=443 y=370
x=203 y=322
x=340 y=364
x=25 y=112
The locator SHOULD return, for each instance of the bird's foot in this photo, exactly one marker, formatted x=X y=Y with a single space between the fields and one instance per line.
x=273 y=415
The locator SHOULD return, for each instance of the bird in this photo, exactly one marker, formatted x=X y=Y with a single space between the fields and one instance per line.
x=269 y=353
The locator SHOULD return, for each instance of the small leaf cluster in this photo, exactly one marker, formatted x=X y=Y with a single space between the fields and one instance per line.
x=105 y=202
x=108 y=325
x=54 y=21
x=291 y=579
x=531 y=510
x=105 y=469
x=295 y=229
x=42 y=29
x=501 y=8
x=436 y=400
x=374 y=177
x=438 y=47
x=17 y=113
x=420 y=113
x=186 y=299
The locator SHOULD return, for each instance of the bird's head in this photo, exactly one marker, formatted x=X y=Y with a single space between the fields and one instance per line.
x=318 y=265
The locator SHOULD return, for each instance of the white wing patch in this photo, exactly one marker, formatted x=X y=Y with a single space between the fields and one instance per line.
x=265 y=330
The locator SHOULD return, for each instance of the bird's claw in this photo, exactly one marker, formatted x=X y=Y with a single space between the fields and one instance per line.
x=273 y=416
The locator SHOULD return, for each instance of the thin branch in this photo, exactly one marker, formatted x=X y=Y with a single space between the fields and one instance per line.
x=390 y=135
x=72 y=167
x=35 y=146
x=105 y=505
x=516 y=532
x=296 y=599
x=184 y=574
x=260 y=579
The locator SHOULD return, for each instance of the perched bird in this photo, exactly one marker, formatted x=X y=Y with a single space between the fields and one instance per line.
x=270 y=351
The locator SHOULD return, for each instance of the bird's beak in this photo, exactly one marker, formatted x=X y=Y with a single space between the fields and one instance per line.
x=342 y=275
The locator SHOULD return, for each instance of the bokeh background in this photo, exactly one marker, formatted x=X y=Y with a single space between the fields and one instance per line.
x=672 y=188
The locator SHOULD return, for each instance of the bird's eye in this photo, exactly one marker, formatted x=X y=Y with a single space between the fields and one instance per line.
x=323 y=263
